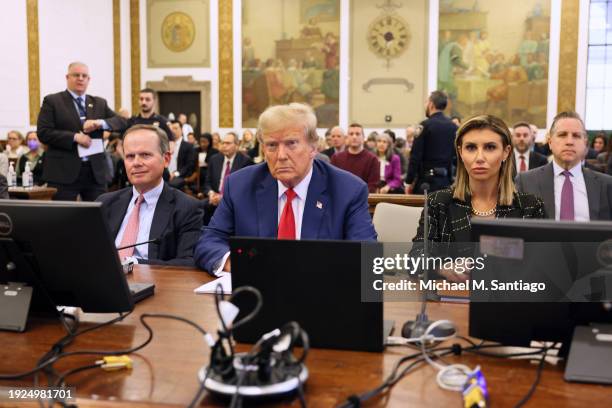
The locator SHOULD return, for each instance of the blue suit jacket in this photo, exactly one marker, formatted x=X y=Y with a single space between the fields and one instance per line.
x=336 y=208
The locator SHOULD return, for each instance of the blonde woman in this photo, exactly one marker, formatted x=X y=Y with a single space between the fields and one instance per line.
x=247 y=142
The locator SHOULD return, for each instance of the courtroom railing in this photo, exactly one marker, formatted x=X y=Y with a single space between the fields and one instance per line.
x=410 y=200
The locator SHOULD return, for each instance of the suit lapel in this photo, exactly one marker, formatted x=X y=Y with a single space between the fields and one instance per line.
x=118 y=211
x=161 y=217
x=317 y=203
x=546 y=184
x=237 y=164
x=69 y=104
x=267 y=207
x=89 y=106
x=593 y=192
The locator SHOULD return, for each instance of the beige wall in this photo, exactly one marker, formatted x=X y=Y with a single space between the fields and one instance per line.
x=370 y=108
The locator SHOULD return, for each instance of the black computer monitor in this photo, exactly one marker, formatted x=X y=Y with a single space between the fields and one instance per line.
x=64 y=250
x=552 y=249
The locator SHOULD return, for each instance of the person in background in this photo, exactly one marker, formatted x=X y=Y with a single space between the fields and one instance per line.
x=337 y=141
x=390 y=167
x=403 y=160
x=191 y=139
x=182 y=158
x=186 y=128
x=248 y=141
x=372 y=141
x=205 y=153
x=216 y=140
x=456 y=120
x=599 y=143
x=357 y=160
x=34 y=156
x=15 y=145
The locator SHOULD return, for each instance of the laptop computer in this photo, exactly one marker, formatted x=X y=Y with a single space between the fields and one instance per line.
x=315 y=283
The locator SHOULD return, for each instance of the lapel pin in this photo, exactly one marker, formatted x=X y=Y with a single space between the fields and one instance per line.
x=319 y=205
x=90 y=105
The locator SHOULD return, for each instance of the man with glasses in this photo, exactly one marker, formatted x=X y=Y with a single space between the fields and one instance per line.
x=71 y=124
x=290 y=196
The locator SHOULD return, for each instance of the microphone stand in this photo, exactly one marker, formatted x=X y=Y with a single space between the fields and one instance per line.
x=151 y=241
x=416 y=328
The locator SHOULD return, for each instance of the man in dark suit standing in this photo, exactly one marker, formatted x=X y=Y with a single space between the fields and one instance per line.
x=569 y=191
x=183 y=158
x=150 y=209
x=522 y=141
x=71 y=124
x=433 y=152
x=220 y=167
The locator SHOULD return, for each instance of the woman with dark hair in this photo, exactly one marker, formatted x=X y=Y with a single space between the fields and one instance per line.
x=483 y=188
x=390 y=167
x=205 y=152
x=599 y=142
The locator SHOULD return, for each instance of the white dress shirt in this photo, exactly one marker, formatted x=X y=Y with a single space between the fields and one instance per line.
x=145 y=219
x=581 y=201
x=172 y=167
x=517 y=159
x=298 y=203
x=224 y=167
x=186 y=129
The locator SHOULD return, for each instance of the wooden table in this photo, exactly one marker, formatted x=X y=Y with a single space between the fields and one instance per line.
x=410 y=200
x=32 y=193
x=165 y=371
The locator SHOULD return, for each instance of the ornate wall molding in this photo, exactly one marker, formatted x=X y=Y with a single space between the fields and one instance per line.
x=33 y=60
x=568 y=55
x=117 y=51
x=226 y=65
x=135 y=52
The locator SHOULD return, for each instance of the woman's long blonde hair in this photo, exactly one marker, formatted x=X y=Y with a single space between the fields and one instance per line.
x=506 y=182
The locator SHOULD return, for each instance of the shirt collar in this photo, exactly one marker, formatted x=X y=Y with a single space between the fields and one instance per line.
x=300 y=190
x=74 y=96
x=575 y=171
x=229 y=159
x=150 y=196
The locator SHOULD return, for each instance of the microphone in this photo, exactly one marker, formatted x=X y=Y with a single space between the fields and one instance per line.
x=417 y=328
x=152 y=241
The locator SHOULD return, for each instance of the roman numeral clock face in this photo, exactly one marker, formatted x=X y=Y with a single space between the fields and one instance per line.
x=388 y=37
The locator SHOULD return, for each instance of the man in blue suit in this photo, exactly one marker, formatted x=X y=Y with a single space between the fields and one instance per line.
x=324 y=202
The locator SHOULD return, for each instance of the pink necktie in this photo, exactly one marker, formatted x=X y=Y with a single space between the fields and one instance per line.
x=225 y=176
x=523 y=166
x=131 y=230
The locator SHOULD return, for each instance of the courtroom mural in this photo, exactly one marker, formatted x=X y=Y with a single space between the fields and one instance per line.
x=495 y=59
x=291 y=53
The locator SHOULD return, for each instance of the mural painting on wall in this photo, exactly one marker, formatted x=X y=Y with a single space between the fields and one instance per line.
x=295 y=59
x=494 y=59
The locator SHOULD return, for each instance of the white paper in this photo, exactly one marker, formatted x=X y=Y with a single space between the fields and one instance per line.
x=96 y=146
x=225 y=279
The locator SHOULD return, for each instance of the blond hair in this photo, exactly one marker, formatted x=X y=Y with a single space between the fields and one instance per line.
x=280 y=117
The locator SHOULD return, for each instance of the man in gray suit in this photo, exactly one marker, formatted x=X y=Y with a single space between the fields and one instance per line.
x=569 y=191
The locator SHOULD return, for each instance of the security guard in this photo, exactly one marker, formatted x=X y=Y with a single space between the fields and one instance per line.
x=433 y=155
x=147 y=115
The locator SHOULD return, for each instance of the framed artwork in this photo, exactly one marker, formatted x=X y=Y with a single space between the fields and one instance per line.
x=178 y=33
x=494 y=59
x=289 y=61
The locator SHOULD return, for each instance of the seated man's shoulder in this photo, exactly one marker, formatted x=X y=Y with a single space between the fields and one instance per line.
x=112 y=195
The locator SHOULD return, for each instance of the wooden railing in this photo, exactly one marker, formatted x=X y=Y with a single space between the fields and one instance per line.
x=410 y=200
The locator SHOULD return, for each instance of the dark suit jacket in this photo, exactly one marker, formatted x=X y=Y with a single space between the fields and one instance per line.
x=58 y=121
x=540 y=182
x=186 y=159
x=177 y=221
x=535 y=160
x=329 y=152
x=336 y=208
x=215 y=168
x=434 y=147
x=3 y=187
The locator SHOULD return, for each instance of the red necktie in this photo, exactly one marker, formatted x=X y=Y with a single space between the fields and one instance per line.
x=523 y=166
x=286 y=226
x=225 y=176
